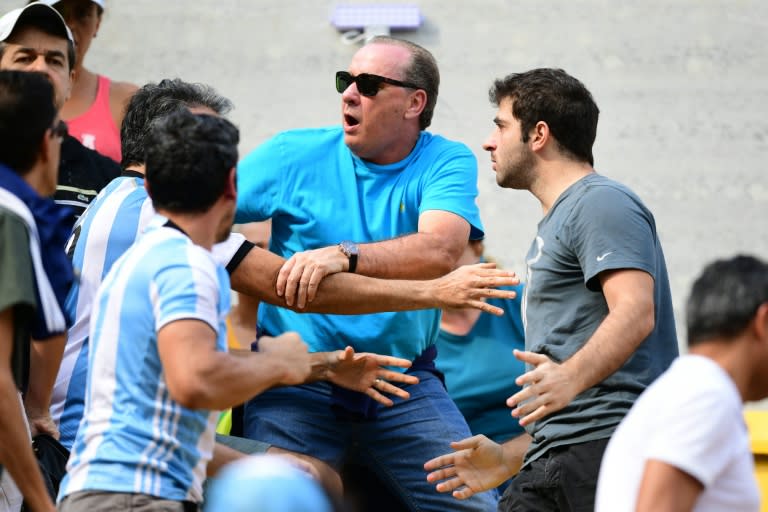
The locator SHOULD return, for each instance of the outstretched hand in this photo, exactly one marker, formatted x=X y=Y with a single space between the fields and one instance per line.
x=547 y=388
x=367 y=373
x=468 y=285
x=300 y=276
x=476 y=465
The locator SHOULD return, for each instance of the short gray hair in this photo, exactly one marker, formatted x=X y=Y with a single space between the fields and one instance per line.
x=421 y=70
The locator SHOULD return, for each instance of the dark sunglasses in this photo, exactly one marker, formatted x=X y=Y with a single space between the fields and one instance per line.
x=59 y=129
x=367 y=84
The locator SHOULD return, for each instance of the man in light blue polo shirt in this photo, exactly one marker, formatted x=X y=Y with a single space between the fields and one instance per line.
x=381 y=197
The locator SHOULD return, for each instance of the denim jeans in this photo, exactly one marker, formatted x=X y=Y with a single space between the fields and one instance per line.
x=562 y=480
x=395 y=445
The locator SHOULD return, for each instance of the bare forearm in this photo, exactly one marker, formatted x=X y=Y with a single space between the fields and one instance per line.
x=225 y=381
x=16 y=448
x=612 y=344
x=320 y=363
x=45 y=358
x=414 y=256
x=200 y=377
x=514 y=453
x=341 y=293
x=665 y=488
x=353 y=294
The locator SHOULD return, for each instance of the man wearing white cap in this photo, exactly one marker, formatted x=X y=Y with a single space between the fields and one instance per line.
x=96 y=107
x=36 y=38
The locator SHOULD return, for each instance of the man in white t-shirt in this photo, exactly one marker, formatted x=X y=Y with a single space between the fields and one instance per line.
x=684 y=444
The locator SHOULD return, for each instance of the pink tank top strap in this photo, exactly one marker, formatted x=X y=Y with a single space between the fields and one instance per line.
x=96 y=129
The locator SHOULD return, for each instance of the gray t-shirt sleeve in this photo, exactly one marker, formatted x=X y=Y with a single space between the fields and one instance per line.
x=610 y=230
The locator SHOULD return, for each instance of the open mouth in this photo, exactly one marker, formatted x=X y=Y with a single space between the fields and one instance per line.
x=350 y=120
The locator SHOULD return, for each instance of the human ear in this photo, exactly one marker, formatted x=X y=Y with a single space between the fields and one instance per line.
x=760 y=323
x=539 y=136
x=230 y=192
x=417 y=102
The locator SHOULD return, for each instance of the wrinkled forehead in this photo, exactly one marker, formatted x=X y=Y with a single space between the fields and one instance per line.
x=35 y=37
x=381 y=59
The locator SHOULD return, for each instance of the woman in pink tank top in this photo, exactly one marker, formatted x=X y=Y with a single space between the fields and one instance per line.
x=96 y=107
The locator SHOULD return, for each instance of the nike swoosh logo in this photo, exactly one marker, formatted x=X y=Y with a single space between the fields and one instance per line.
x=601 y=258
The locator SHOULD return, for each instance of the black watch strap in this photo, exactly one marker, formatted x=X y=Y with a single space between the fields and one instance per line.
x=350 y=250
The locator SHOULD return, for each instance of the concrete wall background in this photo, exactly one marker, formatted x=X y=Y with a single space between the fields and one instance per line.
x=682 y=87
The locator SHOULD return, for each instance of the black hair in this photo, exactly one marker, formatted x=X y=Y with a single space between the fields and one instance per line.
x=725 y=298
x=189 y=158
x=558 y=99
x=154 y=101
x=27 y=111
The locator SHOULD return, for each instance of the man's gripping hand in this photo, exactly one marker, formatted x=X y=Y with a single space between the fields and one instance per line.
x=300 y=275
x=291 y=353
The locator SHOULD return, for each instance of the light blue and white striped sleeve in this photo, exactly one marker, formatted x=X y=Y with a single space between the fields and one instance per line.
x=187 y=288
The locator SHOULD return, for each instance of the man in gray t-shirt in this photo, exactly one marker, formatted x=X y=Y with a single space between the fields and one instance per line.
x=597 y=306
x=596 y=228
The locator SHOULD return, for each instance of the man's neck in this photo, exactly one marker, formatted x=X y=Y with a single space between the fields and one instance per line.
x=139 y=169
x=459 y=321
x=199 y=227
x=554 y=178
x=732 y=356
x=36 y=180
x=397 y=152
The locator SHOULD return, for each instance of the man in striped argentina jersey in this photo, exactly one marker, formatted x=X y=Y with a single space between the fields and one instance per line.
x=34 y=278
x=123 y=209
x=159 y=367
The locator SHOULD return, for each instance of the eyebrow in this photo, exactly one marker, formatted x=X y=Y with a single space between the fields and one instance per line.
x=46 y=53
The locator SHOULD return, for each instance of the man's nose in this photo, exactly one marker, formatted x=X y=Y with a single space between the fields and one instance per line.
x=350 y=94
x=40 y=65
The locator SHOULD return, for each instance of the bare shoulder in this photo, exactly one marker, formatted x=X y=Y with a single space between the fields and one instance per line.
x=119 y=95
x=120 y=92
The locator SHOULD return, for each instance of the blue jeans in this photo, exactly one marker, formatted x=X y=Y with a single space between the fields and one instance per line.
x=395 y=445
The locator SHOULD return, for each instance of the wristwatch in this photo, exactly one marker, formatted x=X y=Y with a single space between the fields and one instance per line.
x=350 y=250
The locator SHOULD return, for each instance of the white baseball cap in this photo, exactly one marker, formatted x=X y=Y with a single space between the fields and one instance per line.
x=38 y=14
x=100 y=3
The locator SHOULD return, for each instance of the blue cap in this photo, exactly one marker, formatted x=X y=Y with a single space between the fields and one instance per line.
x=266 y=483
